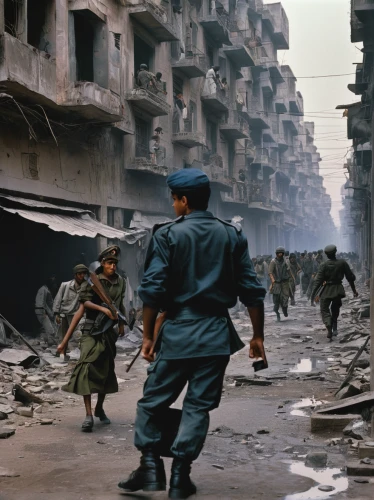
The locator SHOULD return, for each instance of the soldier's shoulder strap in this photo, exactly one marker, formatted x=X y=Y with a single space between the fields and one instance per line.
x=156 y=227
x=237 y=227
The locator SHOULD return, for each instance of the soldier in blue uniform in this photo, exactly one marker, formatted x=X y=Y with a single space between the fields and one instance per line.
x=196 y=268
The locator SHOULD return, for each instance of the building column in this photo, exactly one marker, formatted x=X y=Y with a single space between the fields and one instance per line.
x=102 y=242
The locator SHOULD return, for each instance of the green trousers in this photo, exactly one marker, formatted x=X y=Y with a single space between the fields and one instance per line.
x=166 y=380
x=281 y=294
x=330 y=309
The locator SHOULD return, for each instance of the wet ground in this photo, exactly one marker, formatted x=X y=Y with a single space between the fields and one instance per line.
x=255 y=449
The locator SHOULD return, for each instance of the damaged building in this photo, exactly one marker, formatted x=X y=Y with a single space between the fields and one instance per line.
x=100 y=101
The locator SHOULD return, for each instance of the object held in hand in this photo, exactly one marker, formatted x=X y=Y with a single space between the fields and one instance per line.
x=259 y=364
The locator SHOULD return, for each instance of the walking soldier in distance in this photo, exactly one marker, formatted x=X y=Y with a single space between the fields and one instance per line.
x=280 y=276
x=196 y=268
x=329 y=277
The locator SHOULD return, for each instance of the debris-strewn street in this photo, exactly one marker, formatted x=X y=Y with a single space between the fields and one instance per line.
x=260 y=443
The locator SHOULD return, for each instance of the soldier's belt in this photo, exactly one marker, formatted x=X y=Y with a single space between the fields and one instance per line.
x=187 y=312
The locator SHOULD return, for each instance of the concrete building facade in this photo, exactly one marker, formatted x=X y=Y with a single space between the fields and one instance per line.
x=82 y=135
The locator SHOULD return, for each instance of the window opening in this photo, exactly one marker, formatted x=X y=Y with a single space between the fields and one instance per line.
x=211 y=134
x=111 y=217
x=12 y=14
x=142 y=138
x=84 y=47
x=117 y=40
x=40 y=24
x=143 y=54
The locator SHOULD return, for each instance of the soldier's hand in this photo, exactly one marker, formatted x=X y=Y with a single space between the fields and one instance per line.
x=147 y=350
x=61 y=348
x=58 y=319
x=108 y=312
x=121 y=330
x=257 y=350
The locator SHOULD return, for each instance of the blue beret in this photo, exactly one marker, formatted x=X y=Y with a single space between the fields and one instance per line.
x=187 y=178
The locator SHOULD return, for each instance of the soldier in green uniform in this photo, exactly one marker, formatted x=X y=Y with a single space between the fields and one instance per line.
x=332 y=273
x=94 y=372
x=196 y=268
x=280 y=276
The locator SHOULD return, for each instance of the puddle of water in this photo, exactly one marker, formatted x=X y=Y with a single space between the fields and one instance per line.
x=299 y=408
x=331 y=477
x=306 y=365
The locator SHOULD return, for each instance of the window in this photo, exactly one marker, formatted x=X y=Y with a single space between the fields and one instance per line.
x=90 y=57
x=211 y=135
x=143 y=53
x=41 y=25
x=111 y=217
x=12 y=14
x=142 y=138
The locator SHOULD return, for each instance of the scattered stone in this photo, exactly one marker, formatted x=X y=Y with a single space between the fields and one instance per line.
x=358 y=469
x=326 y=487
x=8 y=473
x=36 y=390
x=243 y=381
x=323 y=423
x=361 y=480
x=24 y=411
x=46 y=421
x=316 y=459
x=6 y=409
x=358 y=429
x=263 y=430
x=217 y=466
x=366 y=461
x=25 y=397
x=356 y=403
x=17 y=357
x=3 y=415
x=6 y=433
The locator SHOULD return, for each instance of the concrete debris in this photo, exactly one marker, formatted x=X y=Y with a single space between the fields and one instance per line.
x=359 y=469
x=25 y=411
x=326 y=487
x=357 y=429
x=6 y=433
x=328 y=423
x=20 y=394
x=350 y=405
x=316 y=459
x=8 y=473
x=17 y=357
x=263 y=430
x=244 y=381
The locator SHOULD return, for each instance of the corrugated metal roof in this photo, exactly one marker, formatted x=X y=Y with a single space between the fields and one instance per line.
x=43 y=204
x=80 y=222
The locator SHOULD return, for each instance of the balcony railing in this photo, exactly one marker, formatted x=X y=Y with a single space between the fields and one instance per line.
x=258 y=192
x=216 y=24
x=239 y=194
x=233 y=126
x=154 y=19
x=148 y=101
x=215 y=170
x=150 y=163
x=191 y=66
x=187 y=136
x=26 y=72
x=217 y=102
x=238 y=53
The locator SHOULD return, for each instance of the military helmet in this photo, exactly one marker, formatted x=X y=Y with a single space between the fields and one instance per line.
x=331 y=249
x=143 y=66
x=280 y=250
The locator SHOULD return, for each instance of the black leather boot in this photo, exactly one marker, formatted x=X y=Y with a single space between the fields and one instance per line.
x=285 y=312
x=150 y=476
x=181 y=485
x=335 y=328
x=278 y=315
x=329 y=332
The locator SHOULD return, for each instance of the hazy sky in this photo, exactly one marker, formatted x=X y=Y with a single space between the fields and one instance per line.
x=320 y=45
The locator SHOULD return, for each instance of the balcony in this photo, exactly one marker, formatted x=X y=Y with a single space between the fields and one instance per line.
x=364 y=9
x=281 y=33
x=262 y=158
x=292 y=122
x=280 y=105
x=154 y=19
x=151 y=103
x=26 y=72
x=256 y=119
x=238 y=53
x=296 y=104
x=265 y=83
x=92 y=102
x=239 y=194
x=148 y=163
x=188 y=138
x=216 y=102
x=254 y=7
x=192 y=66
x=214 y=169
x=270 y=134
x=215 y=24
x=234 y=126
x=259 y=192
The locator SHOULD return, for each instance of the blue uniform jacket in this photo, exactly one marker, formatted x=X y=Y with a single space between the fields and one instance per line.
x=196 y=268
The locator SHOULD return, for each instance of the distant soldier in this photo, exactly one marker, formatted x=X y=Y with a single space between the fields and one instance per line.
x=66 y=302
x=280 y=275
x=295 y=270
x=331 y=273
x=44 y=312
x=308 y=267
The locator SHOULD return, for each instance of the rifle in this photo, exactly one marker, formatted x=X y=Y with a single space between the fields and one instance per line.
x=19 y=335
x=319 y=292
x=98 y=288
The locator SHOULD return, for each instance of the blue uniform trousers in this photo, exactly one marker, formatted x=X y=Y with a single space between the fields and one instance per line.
x=165 y=382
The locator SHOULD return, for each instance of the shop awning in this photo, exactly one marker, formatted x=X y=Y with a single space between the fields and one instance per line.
x=71 y=220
